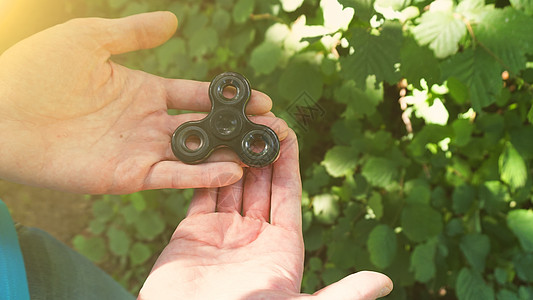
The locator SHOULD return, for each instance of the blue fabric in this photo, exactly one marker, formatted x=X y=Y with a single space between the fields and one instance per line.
x=13 y=282
x=54 y=271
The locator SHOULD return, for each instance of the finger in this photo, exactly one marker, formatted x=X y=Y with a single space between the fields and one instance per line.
x=286 y=196
x=230 y=198
x=194 y=95
x=256 y=194
x=204 y=201
x=178 y=175
x=364 y=285
x=224 y=154
x=135 y=32
x=279 y=126
x=268 y=114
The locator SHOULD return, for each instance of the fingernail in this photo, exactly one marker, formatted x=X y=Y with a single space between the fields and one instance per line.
x=384 y=291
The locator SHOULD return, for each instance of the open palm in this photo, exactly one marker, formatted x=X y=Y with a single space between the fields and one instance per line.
x=244 y=241
x=74 y=120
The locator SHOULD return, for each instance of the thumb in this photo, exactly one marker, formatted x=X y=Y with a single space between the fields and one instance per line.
x=142 y=31
x=364 y=285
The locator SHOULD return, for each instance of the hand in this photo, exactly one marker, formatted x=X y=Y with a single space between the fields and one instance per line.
x=73 y=120
x=217 y=253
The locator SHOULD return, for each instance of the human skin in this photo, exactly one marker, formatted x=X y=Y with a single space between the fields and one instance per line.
x=72 y=119
x=244 y=241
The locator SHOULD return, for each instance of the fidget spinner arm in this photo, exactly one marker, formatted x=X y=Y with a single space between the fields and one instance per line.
x=227 y=125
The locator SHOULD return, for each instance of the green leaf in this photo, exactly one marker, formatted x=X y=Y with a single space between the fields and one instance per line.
x=241 y=39
x=138 y=202
x=342 y=254
x=313 y=238
x=423 y=261
x=417 y=191
x=130 y=214
x=525 y=293
x=471 y=9
x=139 y=253
x=507 y=33
x=506 y=295
x=364 y=9
x=523 y=5
x=300 y=78
x=325 y=208
x=471 y=286
x=488 y=171
x=341 y=160
x=494 y=196
x=458 y=172
x=307 y=219
x=454 y=227
x=382 y=246
x=462 y=197
x=315 y=264
x=418 y=63
x=439 y=197
x=394 y=5
x=97 y=226
x=441 y=30
x=114 y=4
x=291 y=5
x=225 y=4
x=175 y=207
x=523 y=264
x=332 y=274
x=380 y=172
x=310 y=282
x=375 y=203
x=374 y=54
x=119 y=241
x=520 y=221
x=479 y=71
x=103 y=210
x=501 y=275
x=420 y=222
x=134 y=8
x=93 y=247
x=221 y=20
x=346 y=131
x=475 y=247
x=522 y=140
x=149 y=224
x=399 y=271
x=204 y=40
x=530 y=115
x=167 y=53
x=328 y=66
x=242 y=10
x=265 y=58
x=430 y=133
x=317 y=177
x=360 y=101
x=458 y=90
x=462 y=131
x=513 y=170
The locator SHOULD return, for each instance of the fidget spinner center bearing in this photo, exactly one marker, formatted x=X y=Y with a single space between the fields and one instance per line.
x=227 y=125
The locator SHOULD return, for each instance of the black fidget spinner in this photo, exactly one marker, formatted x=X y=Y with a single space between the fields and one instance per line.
x=227 y=126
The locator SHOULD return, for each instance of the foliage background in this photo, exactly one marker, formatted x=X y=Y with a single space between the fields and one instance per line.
x=414 y=119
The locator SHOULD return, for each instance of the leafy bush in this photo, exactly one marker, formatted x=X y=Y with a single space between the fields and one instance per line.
x=414 y=119
x=128 y=232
